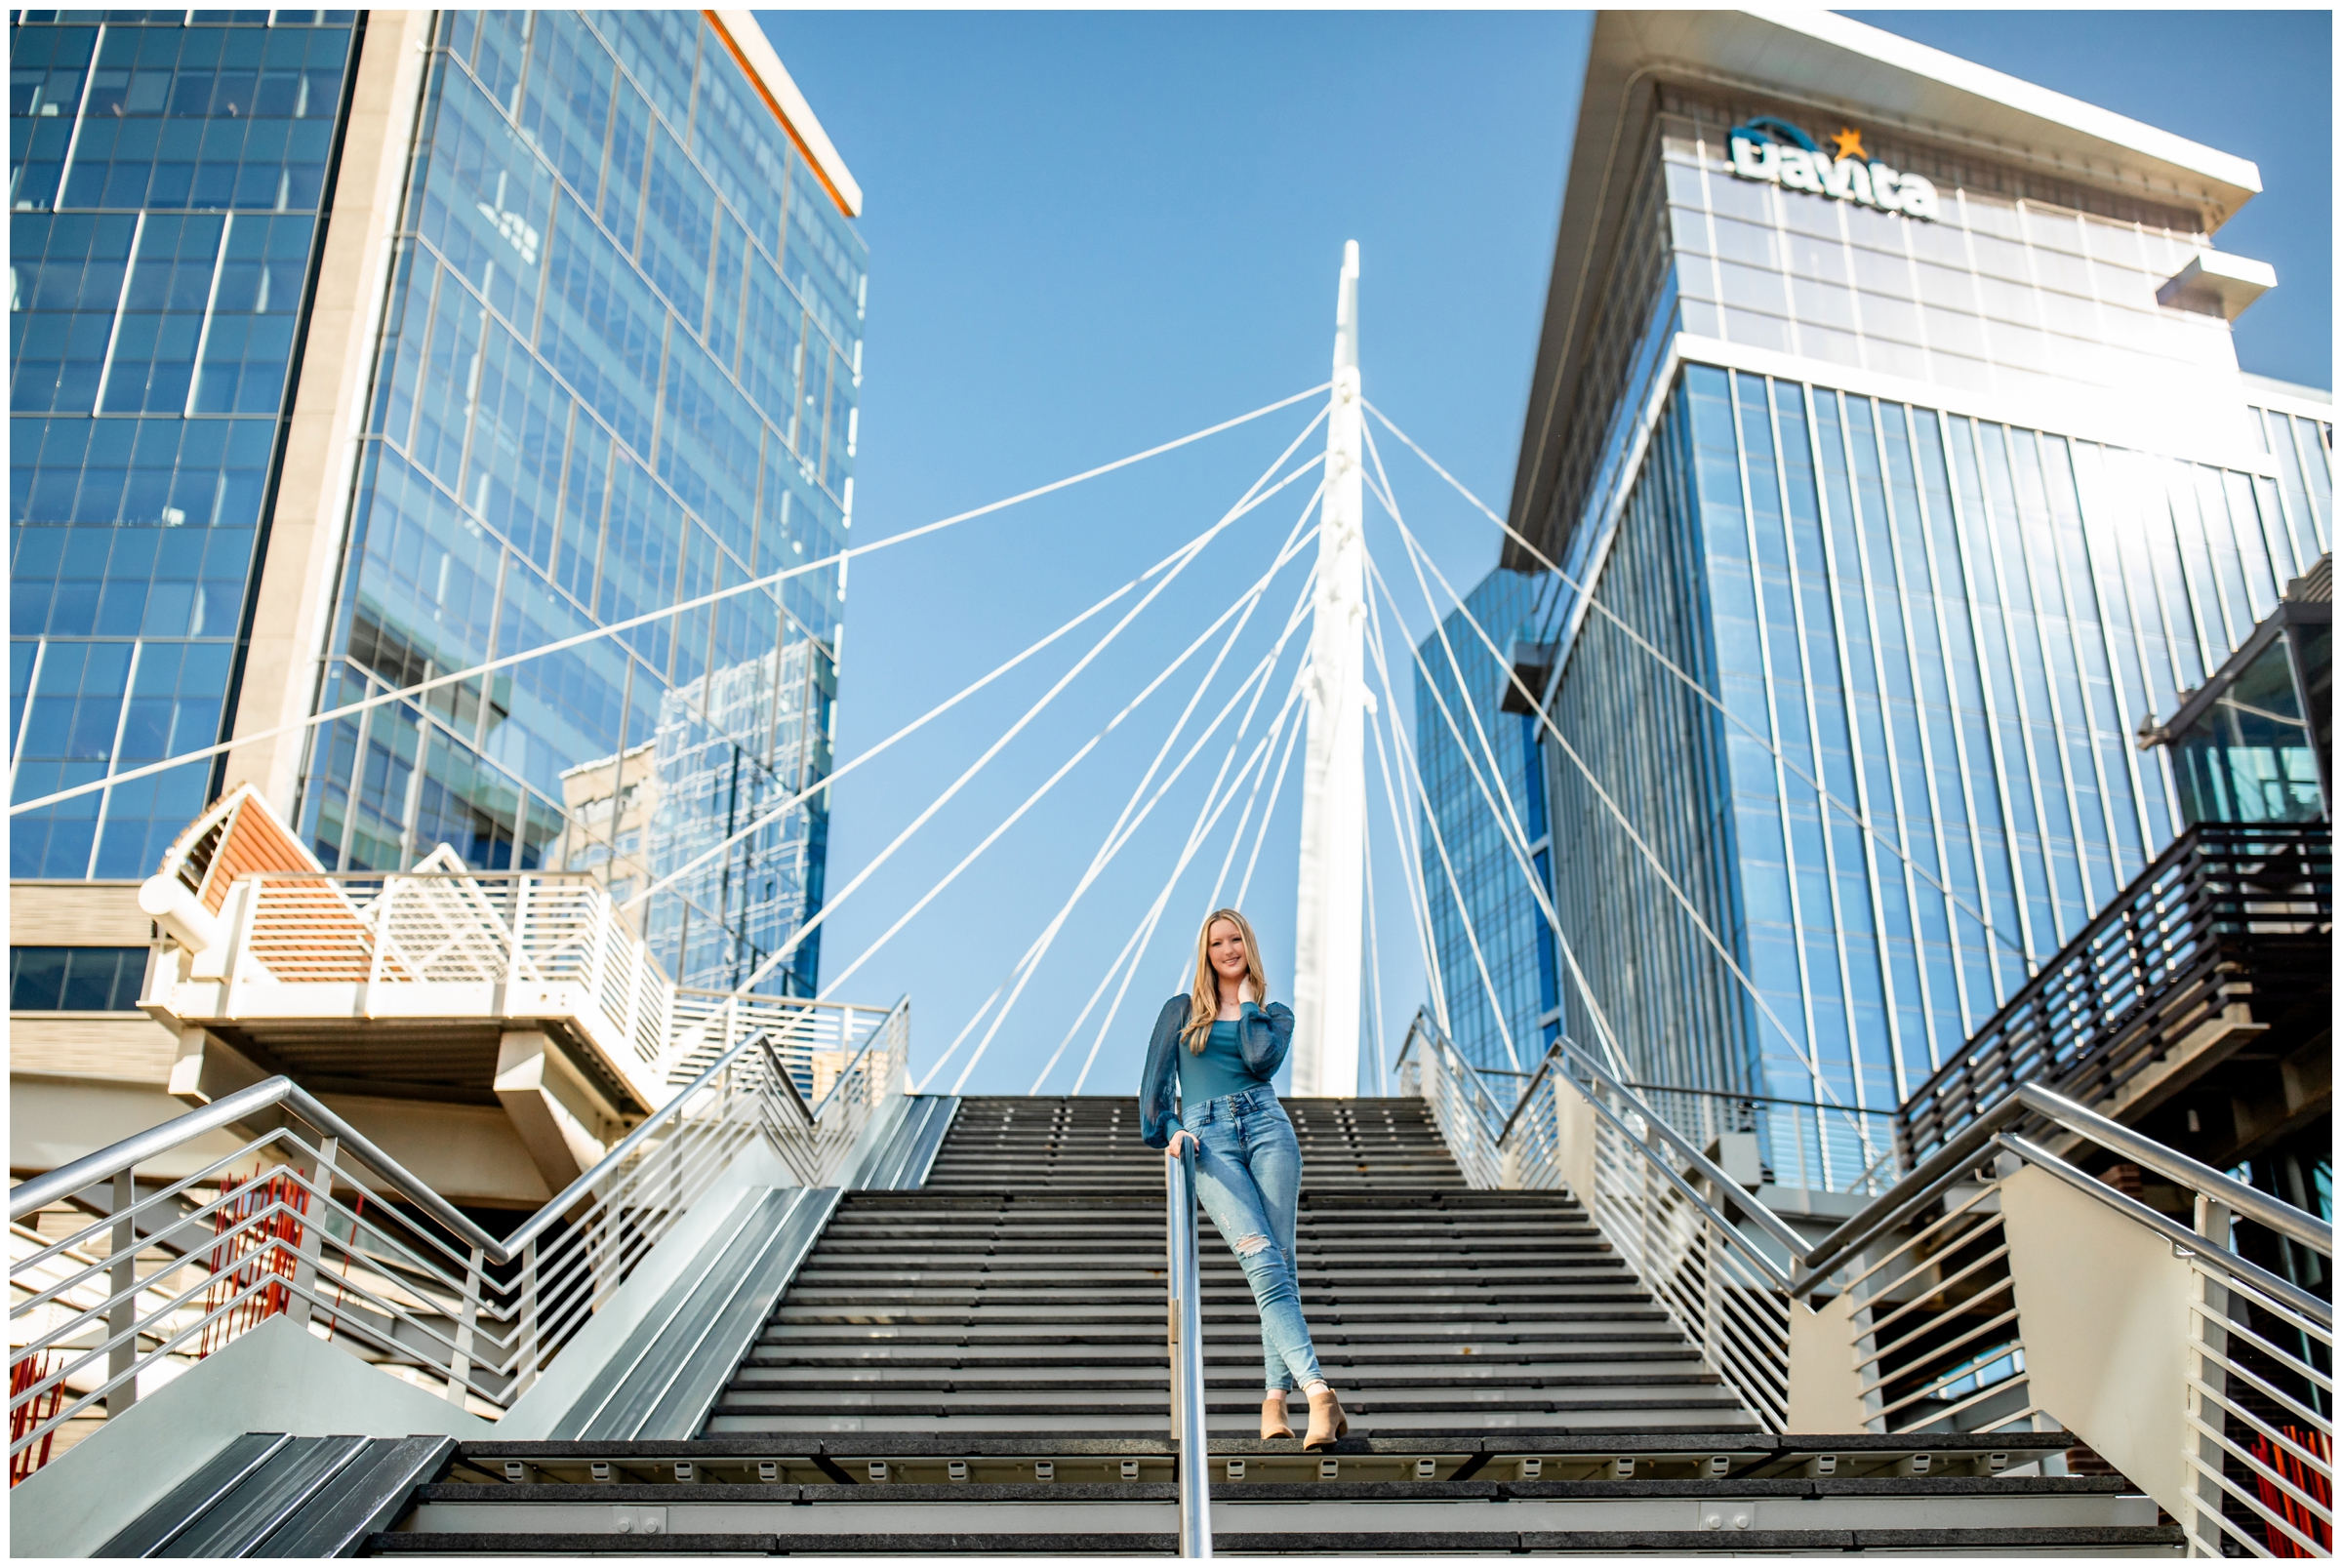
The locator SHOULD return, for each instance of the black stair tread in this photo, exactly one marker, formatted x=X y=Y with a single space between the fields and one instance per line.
x=1022 y=1288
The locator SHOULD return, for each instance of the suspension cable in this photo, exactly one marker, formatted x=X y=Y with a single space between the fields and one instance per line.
x=1142 y=939
x=1068 y=765
x=771 y=579
x=1852 y=813
x=1471 y=938
x=1508 y=824
x=1185 y=556
x=1246 y=502
x=1118 y=835
x=1604 y=1035
x=1411 y=857
x=1374 y=964
x=1796 y=1046
x=1208 y=811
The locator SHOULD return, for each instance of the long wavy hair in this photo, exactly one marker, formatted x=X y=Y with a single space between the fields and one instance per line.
x=1203 y=1002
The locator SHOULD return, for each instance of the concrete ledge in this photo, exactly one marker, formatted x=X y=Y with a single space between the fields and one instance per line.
x=277 y=1378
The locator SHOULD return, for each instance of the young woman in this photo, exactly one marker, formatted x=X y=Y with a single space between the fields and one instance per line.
x=1219 y=1047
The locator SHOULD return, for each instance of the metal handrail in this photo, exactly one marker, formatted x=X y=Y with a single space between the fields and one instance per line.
x=1189 y=1421
x=1756 y=1208
x=39 y=1192
x=394 y=1270
x=1968 y=1148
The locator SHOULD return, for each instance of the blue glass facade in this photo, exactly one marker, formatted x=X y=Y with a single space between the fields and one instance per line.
x=1955 y=625
x=618 y=369
x=165 y=172
x=1470 y=752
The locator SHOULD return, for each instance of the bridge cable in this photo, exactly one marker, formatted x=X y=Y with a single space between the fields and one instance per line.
x=1119 y=834
x=1070 y=762
x=1471 y=938
x=937 y=711
x=1212 y=806
x=1508 y=824
x=1853 y=813
x=1374 y=967
x=1184 y=557
x=1142 y=939
x=1412 y=862
x=613 y=628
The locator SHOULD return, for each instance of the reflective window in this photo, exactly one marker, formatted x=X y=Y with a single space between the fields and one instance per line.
x=1955 y=628
x=76 y=980
x=164 y=179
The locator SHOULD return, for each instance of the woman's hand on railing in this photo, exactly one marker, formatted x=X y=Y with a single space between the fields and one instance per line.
x=1178 y=1148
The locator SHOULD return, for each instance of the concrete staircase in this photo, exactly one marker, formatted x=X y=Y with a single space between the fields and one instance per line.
x=1022 y=1290
x=978 y=1366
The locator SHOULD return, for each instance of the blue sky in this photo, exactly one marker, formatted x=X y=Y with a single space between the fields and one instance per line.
x=1094 y=231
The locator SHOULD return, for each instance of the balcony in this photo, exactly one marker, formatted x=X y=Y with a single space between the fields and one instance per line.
x=531 y=990
x=2219 y=951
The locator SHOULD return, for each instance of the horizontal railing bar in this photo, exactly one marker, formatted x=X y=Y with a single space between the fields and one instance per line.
x=2320 y=1471
x=1767 y=1220
x=39 y=1192
x=1906 y=1244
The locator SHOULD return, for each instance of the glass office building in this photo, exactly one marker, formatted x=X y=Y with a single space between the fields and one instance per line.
x=606 y=363
x=1484 y=847
x=1934 y=465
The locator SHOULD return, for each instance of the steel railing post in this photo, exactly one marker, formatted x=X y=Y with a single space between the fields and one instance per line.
x=525 y=1329
x=122 y=1310
x=2216 y=1223
x=318 y=1179
x=1191 y=1426
x=467 y=1318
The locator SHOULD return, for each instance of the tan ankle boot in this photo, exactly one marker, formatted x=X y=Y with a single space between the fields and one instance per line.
x=1273 y=1423
x=1327 y=1424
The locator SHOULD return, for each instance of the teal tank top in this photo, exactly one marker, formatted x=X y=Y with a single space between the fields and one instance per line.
x=1218 y=1069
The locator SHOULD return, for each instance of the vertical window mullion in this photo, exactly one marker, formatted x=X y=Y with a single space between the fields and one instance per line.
x=1960 y=525
x=113 y=754
x=211 y=301
x=1864 y=795
x=113 y=336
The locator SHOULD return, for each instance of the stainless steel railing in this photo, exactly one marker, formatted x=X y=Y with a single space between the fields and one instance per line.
x=120 y=1281
x=1191 y=1426
x=1943 y=1292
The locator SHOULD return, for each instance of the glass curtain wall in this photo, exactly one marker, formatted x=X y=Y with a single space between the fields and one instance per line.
x=618 y=371
x=165 y=182
x=1470 y=753
x=1955 y=626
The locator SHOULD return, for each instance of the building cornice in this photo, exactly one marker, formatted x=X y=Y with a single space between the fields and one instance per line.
x=744 y=38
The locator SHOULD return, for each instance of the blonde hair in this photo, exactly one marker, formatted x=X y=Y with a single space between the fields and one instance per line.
x=1203 y=1002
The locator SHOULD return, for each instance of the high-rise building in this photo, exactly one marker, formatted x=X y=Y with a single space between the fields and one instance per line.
x=351 y=349
x=1484 y=847
x=1894 y=400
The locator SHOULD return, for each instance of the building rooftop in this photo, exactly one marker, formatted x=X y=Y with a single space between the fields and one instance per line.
x=1839 y=68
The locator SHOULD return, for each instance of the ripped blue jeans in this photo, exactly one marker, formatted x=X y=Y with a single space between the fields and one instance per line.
x=1248 y=1177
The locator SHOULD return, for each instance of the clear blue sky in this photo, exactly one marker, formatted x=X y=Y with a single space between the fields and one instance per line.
x=1090 y=232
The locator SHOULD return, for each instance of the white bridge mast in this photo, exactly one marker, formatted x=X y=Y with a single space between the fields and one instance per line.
x=1329 y=926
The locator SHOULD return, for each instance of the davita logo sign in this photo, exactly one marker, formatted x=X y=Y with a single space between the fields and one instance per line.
x=1778 y=153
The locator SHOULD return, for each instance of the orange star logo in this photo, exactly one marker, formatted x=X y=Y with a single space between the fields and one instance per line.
x=1849 y=144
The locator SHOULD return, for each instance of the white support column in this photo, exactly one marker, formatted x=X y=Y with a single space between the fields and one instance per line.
x=1329 y=925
